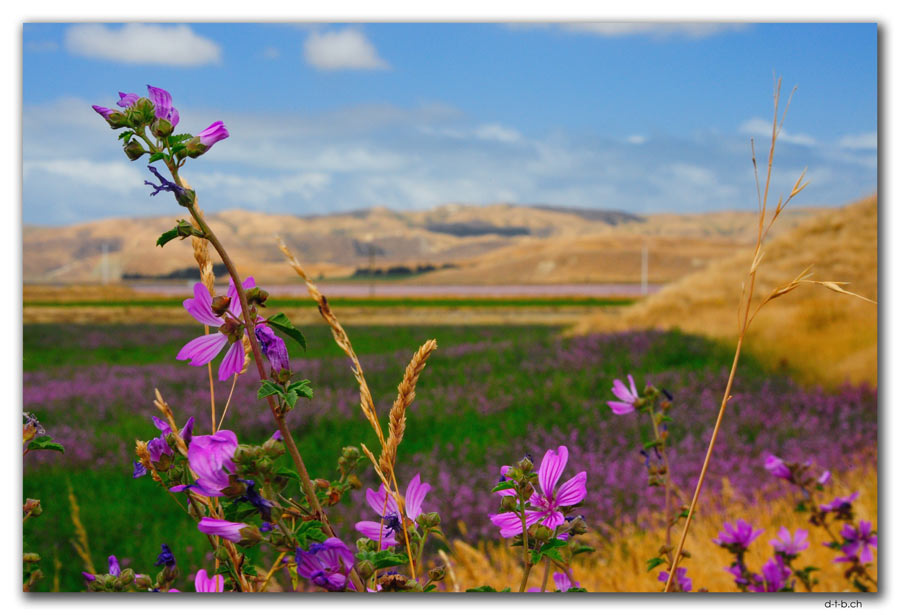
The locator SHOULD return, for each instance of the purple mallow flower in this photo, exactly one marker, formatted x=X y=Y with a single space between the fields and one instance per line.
x=790 y=546
x=682 y=580
x=203 y=349
x=104 y=111
x=740 y=535
x=273 y=347
x=385 y=507
x=212 y=134
x=860 y=543
x=840 y=503
x=229 y=530
x=777 y=468
x=326 y=564
x=774 y=576
x=203 y=582
x=627 y=396
x=210 y=458
x=126 y=100
x=546 y=504
x=162 y=104
x=165 y=557
x=139 y=470
x=562 y=582
x=114 y=568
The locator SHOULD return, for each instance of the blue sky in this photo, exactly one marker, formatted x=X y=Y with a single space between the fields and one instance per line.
x=334 y=117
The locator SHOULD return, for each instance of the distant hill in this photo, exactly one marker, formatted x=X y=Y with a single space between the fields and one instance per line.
x=821 y=336
x=490 y=244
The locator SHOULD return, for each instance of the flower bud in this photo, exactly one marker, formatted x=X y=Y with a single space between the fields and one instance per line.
x=350 y=453
x=366 y=544
x=31 y=558
x=134 y=150
x=429 y=520
x=542 y=532
x=321 y=483
x=143 y=111
x=354 y=481
x=126 y=577
x=257 y=295
x=436 y=574
x=142 y=581
x=161 y=127
x=250 y=535
x=365 y=568
x=578 y=526
x=508 y=503
x=273 y=449
x=235 y=487
x=222 y=554
x=525 y=464
x=33 y=506
x=220 y=304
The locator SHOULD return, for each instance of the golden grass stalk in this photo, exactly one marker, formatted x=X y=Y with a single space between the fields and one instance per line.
x=619 y=564
x=340 y=337
x=764 y=225
x=80 y=542
x=406 y=393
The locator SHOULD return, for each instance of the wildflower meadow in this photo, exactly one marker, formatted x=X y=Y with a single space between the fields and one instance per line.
x=243 y=453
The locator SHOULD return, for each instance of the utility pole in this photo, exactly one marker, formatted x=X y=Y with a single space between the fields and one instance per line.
x=104 y=265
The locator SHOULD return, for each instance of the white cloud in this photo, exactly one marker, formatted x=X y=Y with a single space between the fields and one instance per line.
x=41 y=46
x=255 y=192
x=341 y=50
x=113 y=176
x=271 y=53
x=137 y=43
x=658 y=30
x=759 y=127
x=497 y=132
x=636 y=139
x=866 y=140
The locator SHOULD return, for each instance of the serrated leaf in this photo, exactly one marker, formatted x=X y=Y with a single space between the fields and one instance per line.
x=283 y=324
x=45 y=443
x=291 y=398
x=482 y=588
x=302 y=389
x=653 y=562
x=268 y=388
x=535 y=557
x=310 y=532
x=125 y=136
x=554 y=554
x=555 y=542
x=507 y=484
x=181 y=138
x=157 y=156
x=383 y=559
x=249 y=570
x=167 y=237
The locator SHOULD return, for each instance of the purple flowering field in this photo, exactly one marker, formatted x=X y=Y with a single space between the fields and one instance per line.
x=489 y=396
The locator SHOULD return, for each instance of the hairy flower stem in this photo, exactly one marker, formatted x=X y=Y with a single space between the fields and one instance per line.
x=546 y=576
x=526 y=560
x=305 y=481
x=668 y=486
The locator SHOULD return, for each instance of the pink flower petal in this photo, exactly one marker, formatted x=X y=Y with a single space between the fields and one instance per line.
x=551 y=469
x=233 y=362
x=372 y=530
x=634 y=392
x=620 y=407
x=621 y=391
x=510 y=523
x=203 y=349
x=415 y=495
x=572 y=491
x=200 y=307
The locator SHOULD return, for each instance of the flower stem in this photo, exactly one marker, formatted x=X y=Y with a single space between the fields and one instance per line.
x=546 y=576
x=305 y=480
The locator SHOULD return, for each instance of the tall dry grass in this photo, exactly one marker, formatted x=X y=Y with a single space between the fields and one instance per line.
x=619 y=563
x=820 y=337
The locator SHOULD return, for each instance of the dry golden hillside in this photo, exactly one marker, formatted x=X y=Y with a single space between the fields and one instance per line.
x=820 y=336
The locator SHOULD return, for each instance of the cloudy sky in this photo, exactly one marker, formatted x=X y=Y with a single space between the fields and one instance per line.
x=335 y=117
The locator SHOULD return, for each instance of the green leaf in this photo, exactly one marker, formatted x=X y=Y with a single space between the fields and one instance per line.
x=554 y=554
x=482 y=588
x=383 y=559
x=125 y=136
x=555 y=542
x=309 y=532
x=281 y=322
x=582 y=549
x=507 y=484
x=45 y=443
x=288 y=473
x=268 y=388
x=429 y=588
x=653 y=562
x=302 y=389
x=167 y=237
x=576 y=589
x=291 y=398
x=157 y=156
x=535 y=557
x=176 y=139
